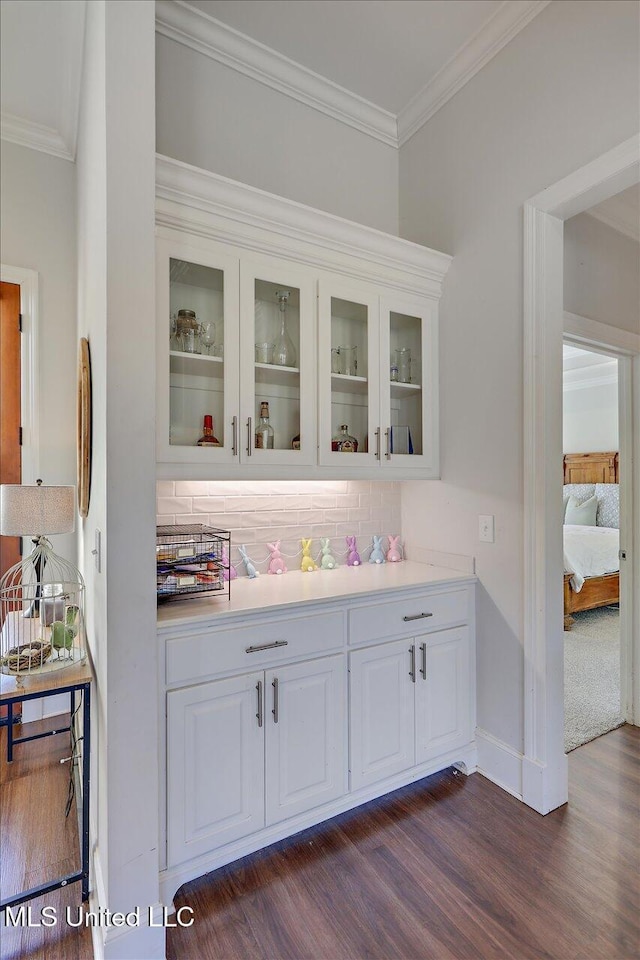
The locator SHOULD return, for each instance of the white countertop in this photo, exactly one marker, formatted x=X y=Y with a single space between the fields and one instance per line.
x=267 y=593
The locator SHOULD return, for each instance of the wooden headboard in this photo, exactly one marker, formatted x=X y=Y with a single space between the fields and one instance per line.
x=590 y=467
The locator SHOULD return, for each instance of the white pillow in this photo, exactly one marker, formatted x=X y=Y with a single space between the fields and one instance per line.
x=582 y=513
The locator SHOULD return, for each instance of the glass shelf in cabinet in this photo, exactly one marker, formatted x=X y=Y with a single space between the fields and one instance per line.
x=400 y=390
x=198 y=364
x=343 y=383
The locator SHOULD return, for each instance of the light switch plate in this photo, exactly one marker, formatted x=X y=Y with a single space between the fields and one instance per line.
x=487 y=528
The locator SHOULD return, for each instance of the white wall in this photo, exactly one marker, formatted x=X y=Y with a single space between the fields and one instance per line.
x=601 y=273
x=116 y=270
x=590 y=419
x=535 y=113
x=38 y=232
x=213 y=117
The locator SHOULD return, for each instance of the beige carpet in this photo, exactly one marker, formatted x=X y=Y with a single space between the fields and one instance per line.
x=591 y=676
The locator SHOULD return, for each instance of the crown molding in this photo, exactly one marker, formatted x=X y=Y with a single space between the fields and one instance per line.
x=202 y=33
x=34 y=135
x=208 y=205
x=628 y=226
x=597 y=375
x=503 y=26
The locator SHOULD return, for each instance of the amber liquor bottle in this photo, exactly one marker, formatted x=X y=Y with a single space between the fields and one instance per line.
x=208 y=439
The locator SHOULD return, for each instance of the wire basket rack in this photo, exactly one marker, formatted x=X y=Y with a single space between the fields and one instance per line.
x=42 y=624
x=192 y=560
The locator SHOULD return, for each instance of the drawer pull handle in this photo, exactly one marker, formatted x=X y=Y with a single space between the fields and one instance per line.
x=412 y=668
x=275 y=700
x=259 y=713
x=417 y=616
x=423 y=668
x=267 y=646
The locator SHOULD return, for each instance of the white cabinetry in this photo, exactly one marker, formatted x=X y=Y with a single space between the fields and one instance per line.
x=235 y=256
x=253 y=750
x=278 y=738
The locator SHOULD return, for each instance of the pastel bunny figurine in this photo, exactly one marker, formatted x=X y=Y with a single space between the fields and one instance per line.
x=353 y=559
x=377 y=555
x=393 y=553
x=307 y=564
x=276 y=563
x=229 y=572
x=328 y=561
x=248 y=562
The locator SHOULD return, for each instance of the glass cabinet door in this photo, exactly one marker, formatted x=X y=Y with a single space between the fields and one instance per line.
x=348 y=367
x=408 y=374
x=197 y=354
x=277 y=378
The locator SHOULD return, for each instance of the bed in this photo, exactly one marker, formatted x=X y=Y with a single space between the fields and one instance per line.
x=591 y=577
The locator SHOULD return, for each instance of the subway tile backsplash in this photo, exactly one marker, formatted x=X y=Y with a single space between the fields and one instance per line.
x=257 y=512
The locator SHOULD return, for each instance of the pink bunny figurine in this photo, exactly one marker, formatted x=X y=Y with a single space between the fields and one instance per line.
x=393 y=553
x=276 y=563
x=229 y=572
x=353 y=559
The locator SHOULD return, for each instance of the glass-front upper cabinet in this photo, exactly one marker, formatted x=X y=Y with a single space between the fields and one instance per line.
x=198 y=353
x=378 y=379
x=408 y=377
x=348 y=364
x=277 y=374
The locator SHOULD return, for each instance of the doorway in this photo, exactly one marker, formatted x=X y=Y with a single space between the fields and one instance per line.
x=544 y=765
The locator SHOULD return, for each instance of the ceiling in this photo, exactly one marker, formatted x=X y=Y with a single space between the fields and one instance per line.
x=582 y=368
x=621 y=212
x=385 y=51
x=400 y=56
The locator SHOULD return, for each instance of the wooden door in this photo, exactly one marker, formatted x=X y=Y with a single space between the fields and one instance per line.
x=10 y=458
x=382 y=712
x=215 y=765
x=443 y=697
x=305 y=736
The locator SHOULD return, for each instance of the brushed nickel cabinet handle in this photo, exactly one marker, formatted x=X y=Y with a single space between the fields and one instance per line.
x=255 y=648
x=275 y=699
x=259 y=713
x=423 y=668
x=417 y=616
x=412 y=668
x=249 y=437
x=387 y=437
x=378 y=443
x=234 y=445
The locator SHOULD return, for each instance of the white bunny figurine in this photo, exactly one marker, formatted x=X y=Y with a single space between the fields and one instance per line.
x=276 y=563
x=248 y=562
x=393 y=553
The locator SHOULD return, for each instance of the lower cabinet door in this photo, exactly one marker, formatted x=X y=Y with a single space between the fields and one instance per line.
x=305 y=732
x=215 y=765
x=443 y=697
x=382 y=712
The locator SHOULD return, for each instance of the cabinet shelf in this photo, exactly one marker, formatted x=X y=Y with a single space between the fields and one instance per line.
x=272 y=373
x=342 y=383
x=197 y=364
x=401 y=390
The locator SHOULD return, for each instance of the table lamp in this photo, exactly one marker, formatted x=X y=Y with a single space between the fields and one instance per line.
x=41 y=596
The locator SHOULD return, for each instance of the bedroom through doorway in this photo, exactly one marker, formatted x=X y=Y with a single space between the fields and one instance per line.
x=591 y=540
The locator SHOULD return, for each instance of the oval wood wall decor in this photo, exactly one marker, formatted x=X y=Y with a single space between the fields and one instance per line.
x=84 y=427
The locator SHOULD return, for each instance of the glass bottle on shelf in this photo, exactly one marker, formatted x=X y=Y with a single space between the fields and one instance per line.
x=208 y=439
x=264 y=430
x=343 y=442
x=295 y=443
x=284 y=352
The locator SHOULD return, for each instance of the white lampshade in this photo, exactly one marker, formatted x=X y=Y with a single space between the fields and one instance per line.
x=36 y=511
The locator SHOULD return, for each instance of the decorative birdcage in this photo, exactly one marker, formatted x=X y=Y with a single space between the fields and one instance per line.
x=42 y=624
x=42 y=614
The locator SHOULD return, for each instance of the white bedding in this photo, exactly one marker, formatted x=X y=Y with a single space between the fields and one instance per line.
x=590 y=552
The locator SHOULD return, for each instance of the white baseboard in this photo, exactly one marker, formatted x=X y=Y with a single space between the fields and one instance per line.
x=544 y=785
x=116 y=943
x=500 y=763
x=45 y=707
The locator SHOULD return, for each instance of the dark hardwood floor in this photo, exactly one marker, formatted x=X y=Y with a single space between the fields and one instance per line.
x=451 y=867
x=37 y=844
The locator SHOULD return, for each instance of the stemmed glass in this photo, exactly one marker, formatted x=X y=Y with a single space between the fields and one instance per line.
x=208 y=334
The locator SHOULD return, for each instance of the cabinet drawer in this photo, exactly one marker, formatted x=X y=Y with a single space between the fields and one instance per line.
x=220 y=651
x=409 y=617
